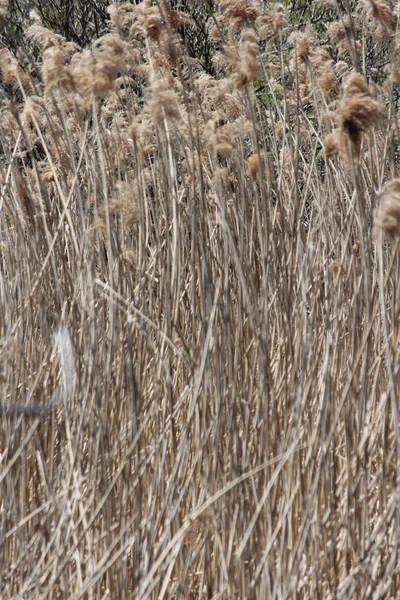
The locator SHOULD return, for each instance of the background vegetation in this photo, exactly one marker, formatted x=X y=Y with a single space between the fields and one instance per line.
x=199 y=300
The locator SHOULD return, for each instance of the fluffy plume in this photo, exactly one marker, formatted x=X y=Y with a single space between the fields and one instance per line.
x=357 y=113
x=12 y=72
x=163 y=103
x=238 y=13
x=311 y=62
x=253 y=164
x=121 y=16
x=387 y=216
x=341 y=34
x=271 y=23
x=380 y=17
x=54 y=70
x=110 y=59
x=153 y=24
x=43 y=37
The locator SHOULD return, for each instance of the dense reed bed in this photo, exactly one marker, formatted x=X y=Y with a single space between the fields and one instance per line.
x=199 y=307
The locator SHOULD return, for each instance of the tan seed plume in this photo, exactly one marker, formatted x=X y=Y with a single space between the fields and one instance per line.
x=387 y=216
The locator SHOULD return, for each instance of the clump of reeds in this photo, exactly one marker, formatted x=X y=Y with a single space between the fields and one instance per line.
x=342 y=34
x=271 y=23
x=380 y=17
x=312 y=67
x=229 y=428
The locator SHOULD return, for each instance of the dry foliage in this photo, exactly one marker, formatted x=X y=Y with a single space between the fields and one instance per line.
x=199 y=372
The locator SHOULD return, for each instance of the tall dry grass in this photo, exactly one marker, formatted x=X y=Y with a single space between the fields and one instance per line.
x=199 y=310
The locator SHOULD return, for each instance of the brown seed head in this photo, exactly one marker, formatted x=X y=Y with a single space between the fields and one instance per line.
x=238 y=13
x=224 y=149
x=178 y=19
x=43 y=37
x=53 y=67
x=334 y=267
x=359 y=111
x=380 y=11
x=331 y=145
x=278 y=18
x=340 y=33
x=253 y=164
x=121 y=16
x=215 y=28
x=153 y=24
x=248 y=67
x=304 y=43
x=163 y=103
x=387 y=216
x=109 y=54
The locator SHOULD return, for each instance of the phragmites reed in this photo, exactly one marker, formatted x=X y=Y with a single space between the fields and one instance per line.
x=311 y=64
x=54 y=71
x=253 y=164
x=341 y=34
x=387 y=215
x=358 y=112
x=163 y=103
x=110 y=58
x=121 y=16
x=43 y=37
x=380 y=10
x=238 y=13
x=153 y=24
x=279 y=21
x=13 y=73
x=271 y=24
x=380 y=17
x=248 y=68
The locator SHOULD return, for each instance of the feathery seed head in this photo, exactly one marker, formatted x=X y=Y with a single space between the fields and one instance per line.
x=253 y=164
x=387 y=216
x=331 y=145
x=303 y=42
x=379 y=11
x=163 y=103
x=110 y=58
x=215 y=28
x=248 y=67
x=359 y=111
x=54 y=71
x=121 y=16
x=43 y=37
x=341 y=34
x=279 y=21
x=271 y=23
x=153 y=24
x=238 y=13
x=224 y=149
